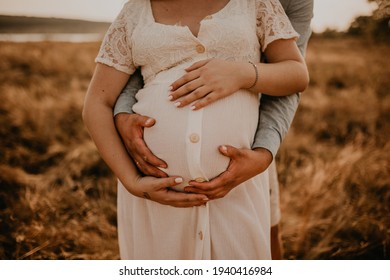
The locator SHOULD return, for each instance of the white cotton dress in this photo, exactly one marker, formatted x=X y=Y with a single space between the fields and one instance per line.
x=238 y=225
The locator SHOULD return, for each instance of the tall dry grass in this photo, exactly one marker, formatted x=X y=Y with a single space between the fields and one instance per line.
x=57 y=197
x=335 y=163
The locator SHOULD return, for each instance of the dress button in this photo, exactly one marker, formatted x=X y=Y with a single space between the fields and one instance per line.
x=200 y=48
x=200 y=180
x=200 y=235
x=194 y=138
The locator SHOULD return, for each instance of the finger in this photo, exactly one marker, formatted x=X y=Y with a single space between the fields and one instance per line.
x=197 y=65
x=185 y=79
x=206 y=100
x=164 y=183
x=185 y=89
x=144 y=121
x=173 y=181
x=176 y=199
x=186 y=204
x=150 y=170
x=221 y=181
x=205 y=187
x=229 y=151
x=140 y=151
x=219 y=194
x=197 y=94
x=172 y=196
x=212 y=193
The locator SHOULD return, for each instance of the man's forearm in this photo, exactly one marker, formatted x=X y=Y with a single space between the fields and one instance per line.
x=276 y=115
x=127 y=99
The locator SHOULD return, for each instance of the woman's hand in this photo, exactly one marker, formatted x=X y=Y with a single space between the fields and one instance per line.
x=244 y=164
x=207 y=81
x=159 y=190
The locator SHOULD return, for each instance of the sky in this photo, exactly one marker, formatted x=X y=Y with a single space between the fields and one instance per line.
x=333 y=14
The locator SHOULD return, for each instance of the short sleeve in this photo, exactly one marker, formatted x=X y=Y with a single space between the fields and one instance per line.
x=272 y=23
x=115 y=50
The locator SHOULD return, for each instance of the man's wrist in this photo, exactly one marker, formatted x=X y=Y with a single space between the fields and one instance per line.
x=120 y=119
x=265 y=154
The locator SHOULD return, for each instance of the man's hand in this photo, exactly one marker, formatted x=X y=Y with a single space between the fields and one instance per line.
x=244 y=164
x=131 y=129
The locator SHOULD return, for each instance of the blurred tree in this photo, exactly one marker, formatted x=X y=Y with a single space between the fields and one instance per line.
x=383 y=9
x=377 y=26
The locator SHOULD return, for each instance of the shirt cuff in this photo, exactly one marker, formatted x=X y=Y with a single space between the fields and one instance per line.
x=268 y=138
x=122 y=104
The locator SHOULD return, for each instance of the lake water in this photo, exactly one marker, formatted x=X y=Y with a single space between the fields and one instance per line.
x=57 y=37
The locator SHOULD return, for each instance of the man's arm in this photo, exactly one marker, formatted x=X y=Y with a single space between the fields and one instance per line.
x=130 y=127
x=277 y=113
x=126 y=99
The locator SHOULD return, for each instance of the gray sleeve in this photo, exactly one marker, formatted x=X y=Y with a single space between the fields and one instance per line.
x=126 y=99
x=276 y=113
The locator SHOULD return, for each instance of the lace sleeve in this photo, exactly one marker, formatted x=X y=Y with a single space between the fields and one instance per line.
x=115 y=50
x=272 y=23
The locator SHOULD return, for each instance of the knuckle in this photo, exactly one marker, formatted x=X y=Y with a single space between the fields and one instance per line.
x=188 y=87
x=145 y=158
x=197 y=93
x=208 y=99
x=137 y=143
x=219 y=195
x=224 y=180
x=186 y=78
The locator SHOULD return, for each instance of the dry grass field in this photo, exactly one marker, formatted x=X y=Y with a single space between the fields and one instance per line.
x=57 y=197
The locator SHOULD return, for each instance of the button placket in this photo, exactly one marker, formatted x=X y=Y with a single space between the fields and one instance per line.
x=193 y=152
x=203 y=233
x=194 y=143
x=200 y=234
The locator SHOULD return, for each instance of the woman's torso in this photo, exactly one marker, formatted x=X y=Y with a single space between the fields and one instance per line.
x=188 y=140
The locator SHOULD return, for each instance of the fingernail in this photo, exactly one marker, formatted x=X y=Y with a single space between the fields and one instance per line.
x=170 y=88
x=149 y=121
x=170 y=97
x=224 y=149
x=162 y=166
x=205 y=199
x=193 y=107
x=178 y=180
x=177 y=104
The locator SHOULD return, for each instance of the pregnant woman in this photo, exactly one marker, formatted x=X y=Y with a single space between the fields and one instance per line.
x=206 y=47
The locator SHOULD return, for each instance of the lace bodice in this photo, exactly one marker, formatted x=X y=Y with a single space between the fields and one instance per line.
x=238 y=32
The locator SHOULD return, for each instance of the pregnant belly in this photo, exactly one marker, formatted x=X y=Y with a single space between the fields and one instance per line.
x=188 y=140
